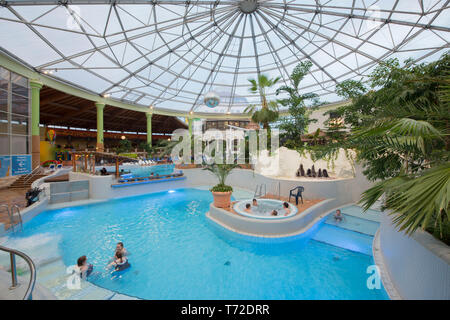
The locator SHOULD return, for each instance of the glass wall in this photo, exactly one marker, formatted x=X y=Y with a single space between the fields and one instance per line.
x=15 y=114
x=15 y=124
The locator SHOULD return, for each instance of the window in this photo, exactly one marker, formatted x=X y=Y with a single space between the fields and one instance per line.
x=14 y=114
x=19 y=124
x=4 y=144
x=19 y=85
x=4 y=78
x=19 y=144
x=4 y=122
x=3 y=100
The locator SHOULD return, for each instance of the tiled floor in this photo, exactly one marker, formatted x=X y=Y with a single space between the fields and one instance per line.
x=11 y=197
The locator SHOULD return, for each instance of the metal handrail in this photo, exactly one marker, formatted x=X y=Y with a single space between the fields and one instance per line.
x=260 y=194
x=12 y=252
x=11 y=216
x=32 y=173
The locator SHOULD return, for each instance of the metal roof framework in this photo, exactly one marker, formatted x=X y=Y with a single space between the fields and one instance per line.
x=168 y=54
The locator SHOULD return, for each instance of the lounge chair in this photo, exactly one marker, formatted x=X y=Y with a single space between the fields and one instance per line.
x=59 y=166
x=297 y=193
x=51 y=166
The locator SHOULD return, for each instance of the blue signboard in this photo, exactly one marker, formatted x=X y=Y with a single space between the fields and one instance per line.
x=21 y=164
x=5 y=166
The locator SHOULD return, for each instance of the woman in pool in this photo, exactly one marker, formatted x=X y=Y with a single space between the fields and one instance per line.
x=286 y=208
x=248 y=208
x=84 y=269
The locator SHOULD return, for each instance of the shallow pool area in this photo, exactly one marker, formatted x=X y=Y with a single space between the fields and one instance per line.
x=177 y=253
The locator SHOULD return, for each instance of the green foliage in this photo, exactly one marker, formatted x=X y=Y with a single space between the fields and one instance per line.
x=402 y=136
x=146 y=147
x=221 y=188
x=294 y=125
x=269 y=109
x=221 y=171
x=124 y=146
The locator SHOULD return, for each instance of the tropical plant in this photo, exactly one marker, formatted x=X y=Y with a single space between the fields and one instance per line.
x=407 y=144
x=269 y=108
x=146 y=147
x=221 y=171
x=124 y=146
x=294 y=125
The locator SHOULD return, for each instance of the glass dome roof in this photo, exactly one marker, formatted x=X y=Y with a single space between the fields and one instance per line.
x=169 y=54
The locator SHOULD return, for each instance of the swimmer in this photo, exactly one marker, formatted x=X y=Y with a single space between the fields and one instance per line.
x=84 y=269
x=120 y=248
x=274 y=213
x=338 y=216
x=255 y=203
x=120 y=263
x=248 y=208
x=286 y=208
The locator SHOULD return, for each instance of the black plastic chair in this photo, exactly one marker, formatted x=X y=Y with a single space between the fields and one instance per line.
x=297 y=193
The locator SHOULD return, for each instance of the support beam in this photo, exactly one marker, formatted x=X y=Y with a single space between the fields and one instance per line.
x=35 y=134
x=100 y=106
x=149 y=128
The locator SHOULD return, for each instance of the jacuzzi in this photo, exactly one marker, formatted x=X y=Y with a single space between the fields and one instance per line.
x=264 y=209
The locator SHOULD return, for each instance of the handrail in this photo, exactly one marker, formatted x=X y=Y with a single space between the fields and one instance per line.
x=12 y=252
x=32 y=173
x=11 y=217
x=260 y=193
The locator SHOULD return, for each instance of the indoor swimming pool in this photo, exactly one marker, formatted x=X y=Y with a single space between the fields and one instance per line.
x=178 y=253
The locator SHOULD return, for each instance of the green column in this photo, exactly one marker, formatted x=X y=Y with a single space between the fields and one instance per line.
x=100 y=106
x=149 y=128
x=35 y=134
x=35 y=101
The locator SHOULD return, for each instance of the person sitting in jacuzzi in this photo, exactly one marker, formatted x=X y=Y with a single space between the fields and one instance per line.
x=248 y=208
x=274 y=212
x=286 y=208
x=120 y=263
x=255 y=203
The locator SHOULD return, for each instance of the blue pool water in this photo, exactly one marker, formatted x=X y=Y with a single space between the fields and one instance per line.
x=145 y=171
x=178 y=253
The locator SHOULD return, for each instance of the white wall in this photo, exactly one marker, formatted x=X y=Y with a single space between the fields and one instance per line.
x=418 y=266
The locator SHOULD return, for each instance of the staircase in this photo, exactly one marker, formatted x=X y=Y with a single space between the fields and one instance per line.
x=25 y=181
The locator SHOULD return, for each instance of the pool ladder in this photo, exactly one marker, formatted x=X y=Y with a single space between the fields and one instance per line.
x=259 y=190
x=11 y=216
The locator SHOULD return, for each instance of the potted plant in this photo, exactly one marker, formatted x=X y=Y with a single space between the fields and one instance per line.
x=221 y=192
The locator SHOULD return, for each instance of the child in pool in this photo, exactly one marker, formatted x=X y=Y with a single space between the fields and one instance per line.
x=338 y=216
x=248 y=208
x=274 y=213
x=120 y=263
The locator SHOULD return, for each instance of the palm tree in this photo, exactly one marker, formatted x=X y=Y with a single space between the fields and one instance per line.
x=269 y=109
x=296 y=124
x=419 y=196
x=221 y=171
